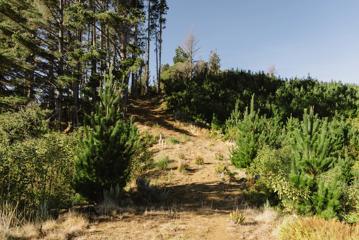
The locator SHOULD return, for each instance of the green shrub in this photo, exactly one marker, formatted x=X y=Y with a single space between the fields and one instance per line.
x=315 y=150
x=36 y=164
x=253 y=133
x=231 y=129
x=205 y=94
x=144 y=156
x=109 y=146
x=26 y=123
x=271 y=167
x=353 y=195
x=313 y=172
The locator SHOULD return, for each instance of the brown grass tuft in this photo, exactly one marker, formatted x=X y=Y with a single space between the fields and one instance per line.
x=66 y=227
x=27 y=231
x=313 y=228
x=8 y=219
x=182 y=166
x=73 y=224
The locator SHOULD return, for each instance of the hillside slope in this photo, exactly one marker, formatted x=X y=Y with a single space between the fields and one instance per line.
x=198 y=199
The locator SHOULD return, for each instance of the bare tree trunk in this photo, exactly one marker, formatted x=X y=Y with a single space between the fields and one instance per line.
x=93 y=40
x=160 y=53
x=103 y=39
x=28 y=83
x=157 y=66
x=134 y=77
x=58 y=92
x=76 y=88
x=147 y=80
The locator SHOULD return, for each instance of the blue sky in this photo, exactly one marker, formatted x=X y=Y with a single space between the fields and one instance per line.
x=298 y=37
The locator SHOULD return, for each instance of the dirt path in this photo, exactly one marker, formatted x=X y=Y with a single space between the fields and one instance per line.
x=199 y=198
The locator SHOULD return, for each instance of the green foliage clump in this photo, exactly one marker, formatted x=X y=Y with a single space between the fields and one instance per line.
x=173 y=140
x=36 y=164
x=313 y=171
x=26 y=123
x=271 y=167
x=163 y=163
x=109 y=147
x=206 y=93
x=253 y=132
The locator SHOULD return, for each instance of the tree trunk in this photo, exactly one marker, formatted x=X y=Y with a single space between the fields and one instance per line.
x=147 y=80
x=58 y=91
x=157 y=61
x=76 y=88
x=160 y=53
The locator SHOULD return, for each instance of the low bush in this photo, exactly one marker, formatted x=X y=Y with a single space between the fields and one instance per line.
x=36 y=164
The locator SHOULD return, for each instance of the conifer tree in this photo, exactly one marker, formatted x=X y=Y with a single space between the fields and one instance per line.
x=249 y=129
x=214 y=63
x=109 y=145
x=313 y=155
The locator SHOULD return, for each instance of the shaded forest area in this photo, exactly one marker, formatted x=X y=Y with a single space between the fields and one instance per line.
x=57 y=52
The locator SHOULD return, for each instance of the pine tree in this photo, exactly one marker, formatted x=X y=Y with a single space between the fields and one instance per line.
x=214 y=63
x=180 y=56
x=109 y=145
x=249 y=129
x=313 y=156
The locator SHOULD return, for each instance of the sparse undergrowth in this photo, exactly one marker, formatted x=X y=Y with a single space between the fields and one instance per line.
x=313 y=228
x=163 y=163
x=237 y=217
x=199 y=160
x=65 y=227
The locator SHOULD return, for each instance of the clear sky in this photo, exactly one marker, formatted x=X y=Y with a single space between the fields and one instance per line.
x=298 y=37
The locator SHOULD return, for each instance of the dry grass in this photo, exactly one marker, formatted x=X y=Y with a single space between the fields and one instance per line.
x=72 y=224
x=237 y=217
x=313 y=228
x=268 y=215
x=8 y=219
x=27 y=231
x=182 y=166
x=108 y=208
x=66 y=227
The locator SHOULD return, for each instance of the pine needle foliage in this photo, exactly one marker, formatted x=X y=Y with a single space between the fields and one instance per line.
x=109 y=146
x=252 y=132
x=316 y=156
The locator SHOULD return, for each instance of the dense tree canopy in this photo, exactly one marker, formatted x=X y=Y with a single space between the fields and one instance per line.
x=57 y=51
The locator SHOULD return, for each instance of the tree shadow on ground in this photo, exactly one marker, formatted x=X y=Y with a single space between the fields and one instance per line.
x=147 y=112
x=201 y=197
